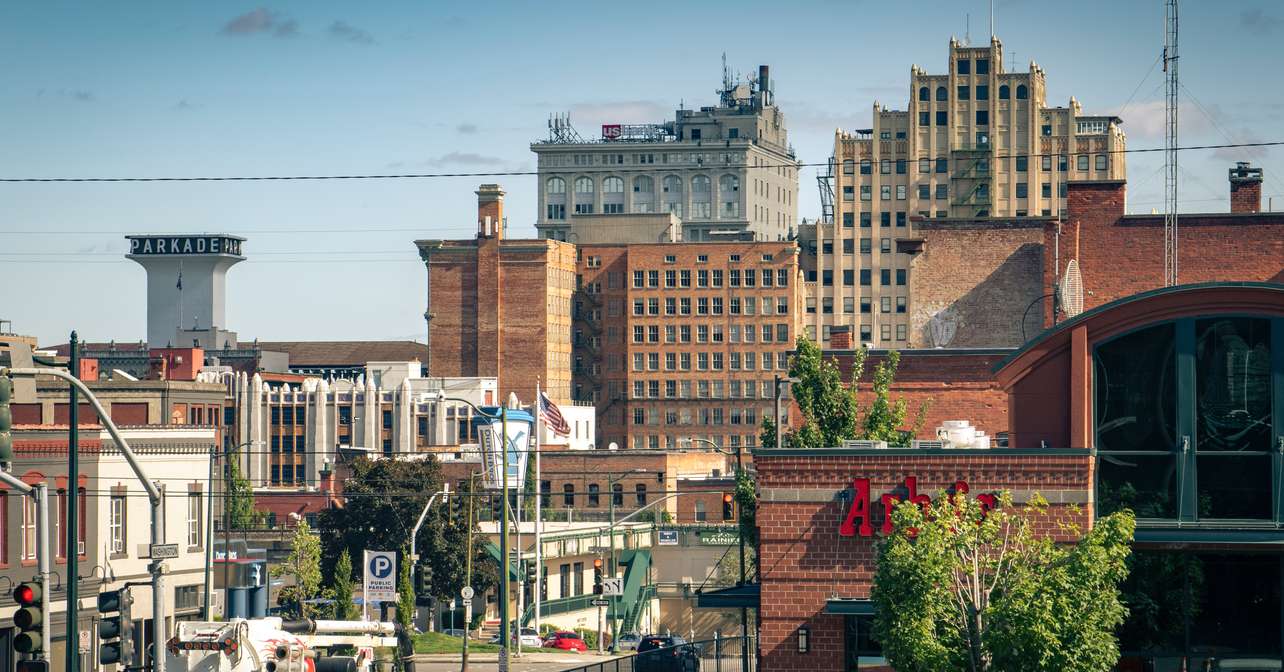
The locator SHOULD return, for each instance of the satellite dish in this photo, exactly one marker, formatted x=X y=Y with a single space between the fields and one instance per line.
x=1071 y=290
x=612 y=446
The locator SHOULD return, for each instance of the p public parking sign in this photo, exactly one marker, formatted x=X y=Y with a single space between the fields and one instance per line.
x=380 y=582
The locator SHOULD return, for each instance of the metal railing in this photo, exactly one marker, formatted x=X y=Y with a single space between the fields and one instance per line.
x=720 y=654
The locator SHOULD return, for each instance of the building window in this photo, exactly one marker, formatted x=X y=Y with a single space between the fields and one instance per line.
x=885 y=245
x=849 y=192
x=885 y=276
x=866 y=245
x=116 y=525
x=1022 y=190
x=942 y=165
x=866 y=167
x=1045 y=162
x=865 y=193
x=639 y=491
x=865 y=277
x=849 y=167
x=982 y=119
x=1063 y=163
x=28 y=532
x=1004 y=92
x=924 y=118
x=924 y=191
x=194 y=516
x=901 y=332
x=593 y=498
x=923 y=94
x=568 y=491
x=900 y=304
x=885 y=219
x=942 y=94
x=982 y=92
x=1081 y=162
x=700 y=515
x=1022 y=163
x=1101 y=162
x=865 y=220
x=849 y=220
x=885 y=192
x=964 y=93
x=942 y=118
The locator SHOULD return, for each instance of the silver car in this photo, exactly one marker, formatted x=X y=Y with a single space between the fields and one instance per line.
x=629 y=641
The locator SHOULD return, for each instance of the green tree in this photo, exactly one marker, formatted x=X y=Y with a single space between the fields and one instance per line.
x=342 y=587
x=304 y=565
x=405 y=593
x=240 y=497
x=960 y=588
x=830 y=410
x=384 y=499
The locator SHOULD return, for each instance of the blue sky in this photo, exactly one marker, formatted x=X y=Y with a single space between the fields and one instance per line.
x=198 y=88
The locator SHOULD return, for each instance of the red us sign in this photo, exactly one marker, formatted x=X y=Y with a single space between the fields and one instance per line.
x=860 y=519
x=611 y=131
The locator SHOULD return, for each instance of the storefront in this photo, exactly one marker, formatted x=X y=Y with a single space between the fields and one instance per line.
x=1170 y=403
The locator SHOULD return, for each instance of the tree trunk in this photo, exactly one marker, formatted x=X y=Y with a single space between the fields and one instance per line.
x=974 y=639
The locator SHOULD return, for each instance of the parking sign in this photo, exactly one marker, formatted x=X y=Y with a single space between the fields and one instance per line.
x=380 y=583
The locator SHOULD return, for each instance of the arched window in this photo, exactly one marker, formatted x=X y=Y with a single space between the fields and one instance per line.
x=1022 y=92
x=700 y=184
x=593 y=500
x=568 y=495
x=729 y=196
x=672 y=184
x=728 y=184
x=555 y=185
x=640 y=490
x=1004 y=92
x=584 y=196
x=617 y=494
x=643 y=185
x=584 y=185
x=923 y=93
x=701 y=197
x=613 y=185
x=941 y=94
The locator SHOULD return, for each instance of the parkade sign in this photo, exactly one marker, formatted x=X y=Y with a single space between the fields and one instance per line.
x=860 y=520
x=182 y=245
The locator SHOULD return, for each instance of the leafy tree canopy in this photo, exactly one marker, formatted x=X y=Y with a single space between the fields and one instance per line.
x=958 y=588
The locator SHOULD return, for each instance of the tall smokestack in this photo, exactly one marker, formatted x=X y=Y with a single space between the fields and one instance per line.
x=764 y=84
x=490 y=211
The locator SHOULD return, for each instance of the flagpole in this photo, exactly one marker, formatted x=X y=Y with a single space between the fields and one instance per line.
x=539 y=496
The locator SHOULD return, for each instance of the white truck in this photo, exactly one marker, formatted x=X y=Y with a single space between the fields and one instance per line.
x=276 y=645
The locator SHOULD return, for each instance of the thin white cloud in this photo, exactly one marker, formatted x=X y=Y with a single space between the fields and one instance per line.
x=342 y=30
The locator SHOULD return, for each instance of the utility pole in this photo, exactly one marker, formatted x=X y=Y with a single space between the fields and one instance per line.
x=506 y=563
x=468 y=572
x=72 y=659
x=1170 y=143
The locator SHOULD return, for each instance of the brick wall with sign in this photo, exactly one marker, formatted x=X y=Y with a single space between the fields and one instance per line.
x=804 y=562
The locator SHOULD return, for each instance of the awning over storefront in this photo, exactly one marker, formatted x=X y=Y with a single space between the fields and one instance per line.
x=735 y=597
x=849 y=606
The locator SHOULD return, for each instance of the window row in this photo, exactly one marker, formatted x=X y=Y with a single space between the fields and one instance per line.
x=702 y=389
x=964 y=92
x=705 y=333
x=884 y=218
x=700 y=416
x=977 y=166
x=849 y=279
x=735 y=277
x=706 y=361
x=654 y=442
x=711 y=305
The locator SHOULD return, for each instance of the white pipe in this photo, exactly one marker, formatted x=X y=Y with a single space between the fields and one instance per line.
x=361 y=627
x=156 y=567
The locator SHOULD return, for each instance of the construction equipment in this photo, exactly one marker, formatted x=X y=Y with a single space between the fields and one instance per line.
x=277 y=645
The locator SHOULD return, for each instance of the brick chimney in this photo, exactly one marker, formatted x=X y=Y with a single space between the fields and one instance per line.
x=1245 y=188
x=840 y=338
x=490 y=211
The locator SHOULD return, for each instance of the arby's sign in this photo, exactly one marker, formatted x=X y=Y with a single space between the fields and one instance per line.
x=860 y=515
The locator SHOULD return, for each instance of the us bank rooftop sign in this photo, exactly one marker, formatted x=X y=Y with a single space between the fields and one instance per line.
x=184 y=245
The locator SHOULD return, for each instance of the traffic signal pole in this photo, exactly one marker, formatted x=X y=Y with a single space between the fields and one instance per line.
x=40 y=493
x=157 y=566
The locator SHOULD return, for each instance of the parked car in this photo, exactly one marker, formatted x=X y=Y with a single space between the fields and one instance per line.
x=629 y=641
x=567 y=641
x=666 y=653
x=528 y=638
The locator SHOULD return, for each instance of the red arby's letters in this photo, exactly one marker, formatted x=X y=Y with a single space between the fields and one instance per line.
x=860 y=522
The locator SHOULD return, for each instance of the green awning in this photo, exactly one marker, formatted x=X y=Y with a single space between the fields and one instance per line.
x=849 y=606
x=735 y=597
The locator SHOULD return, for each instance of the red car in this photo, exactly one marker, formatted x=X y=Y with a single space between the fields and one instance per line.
x=567 y=641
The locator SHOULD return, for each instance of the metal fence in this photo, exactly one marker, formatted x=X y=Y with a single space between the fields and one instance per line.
x=720 y=654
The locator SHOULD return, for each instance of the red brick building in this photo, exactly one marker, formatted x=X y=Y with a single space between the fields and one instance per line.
x=500 y=307
x=984 y=283
x=681 y=340
x=1170 y=403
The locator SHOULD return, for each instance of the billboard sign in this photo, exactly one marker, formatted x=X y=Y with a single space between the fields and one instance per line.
x=612 y=131
x=517 y=444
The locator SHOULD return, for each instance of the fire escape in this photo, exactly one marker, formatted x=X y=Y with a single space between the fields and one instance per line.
x=970 y=181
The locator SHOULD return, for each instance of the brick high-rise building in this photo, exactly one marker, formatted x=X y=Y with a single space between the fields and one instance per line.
x=979 y=141
x=682 y=340
x=500 y=307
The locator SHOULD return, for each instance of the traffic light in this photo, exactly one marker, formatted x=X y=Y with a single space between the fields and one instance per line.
x=6 y=419
x=728 y=506
x=423 y=579
x=116 y=632
x=530 y=572
x=29 y=597
x=597 y=576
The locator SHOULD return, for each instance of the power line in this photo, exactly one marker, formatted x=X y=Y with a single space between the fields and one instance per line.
x=422 y=176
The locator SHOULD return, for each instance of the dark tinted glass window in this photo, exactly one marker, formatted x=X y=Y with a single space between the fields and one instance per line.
x=1147 y=484
x=1233 y=384
x=1135 y=386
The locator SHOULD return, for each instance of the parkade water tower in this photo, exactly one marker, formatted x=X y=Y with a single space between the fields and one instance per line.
x=186 y=281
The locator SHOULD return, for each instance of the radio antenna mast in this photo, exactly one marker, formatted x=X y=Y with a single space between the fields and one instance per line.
x=1170 y=143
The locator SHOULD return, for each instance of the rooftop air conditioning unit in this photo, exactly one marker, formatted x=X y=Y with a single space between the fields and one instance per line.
x=866 y=445
x=927 y=445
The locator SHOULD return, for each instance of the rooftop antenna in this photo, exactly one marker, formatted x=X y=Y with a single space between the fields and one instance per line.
x=1170 y=143
x=991 y=20
x=967 y=30
x=726 y=74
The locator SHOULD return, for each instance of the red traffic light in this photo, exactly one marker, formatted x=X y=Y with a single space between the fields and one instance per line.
x=26 y=594
x=726 y=498
x=597 y=563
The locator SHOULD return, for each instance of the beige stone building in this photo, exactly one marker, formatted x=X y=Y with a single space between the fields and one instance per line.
x=978 y=142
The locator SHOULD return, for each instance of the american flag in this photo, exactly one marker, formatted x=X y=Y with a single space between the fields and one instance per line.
x=552 y=416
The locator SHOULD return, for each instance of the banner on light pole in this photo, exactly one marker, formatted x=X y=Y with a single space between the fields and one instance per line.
x=517 y=443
